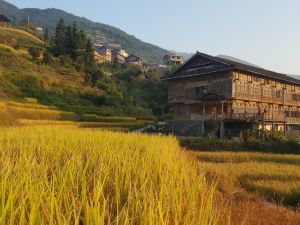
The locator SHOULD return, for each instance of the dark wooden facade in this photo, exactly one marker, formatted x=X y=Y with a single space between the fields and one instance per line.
x=133 y=59
x=211 y=87
x=4 y=21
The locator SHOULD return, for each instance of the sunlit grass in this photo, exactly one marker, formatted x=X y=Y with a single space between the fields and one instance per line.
x=272 y=176
x=75 y=176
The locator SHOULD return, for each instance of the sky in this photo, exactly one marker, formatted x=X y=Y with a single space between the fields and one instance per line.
x=263 y=32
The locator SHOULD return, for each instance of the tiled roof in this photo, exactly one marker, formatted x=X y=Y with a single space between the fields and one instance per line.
x=226 y=65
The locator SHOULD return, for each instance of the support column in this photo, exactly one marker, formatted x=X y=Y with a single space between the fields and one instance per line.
x=285 y=129
x=202 y=128
x=222 y=129
x=202 y=123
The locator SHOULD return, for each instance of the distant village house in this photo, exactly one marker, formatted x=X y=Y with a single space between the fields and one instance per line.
x=103 y=54
x=4 y=21
x=133 y=59
x=118 y=57
x=173 y=60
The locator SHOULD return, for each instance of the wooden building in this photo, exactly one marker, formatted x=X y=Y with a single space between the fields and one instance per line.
x=118 y=57
x=133 y=59
x=4 y=21
x=239 y=95
x=173 y=60
x=103 y=54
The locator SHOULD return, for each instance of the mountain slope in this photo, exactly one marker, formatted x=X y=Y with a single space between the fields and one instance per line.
x=237 y=60
x=50 y=17
x=11 y=11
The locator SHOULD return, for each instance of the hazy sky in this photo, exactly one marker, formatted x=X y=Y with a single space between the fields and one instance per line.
x=264 y=32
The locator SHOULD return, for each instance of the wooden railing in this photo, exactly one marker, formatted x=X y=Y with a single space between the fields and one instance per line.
x=249 y=117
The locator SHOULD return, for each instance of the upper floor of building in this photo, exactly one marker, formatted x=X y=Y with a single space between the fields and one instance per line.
x=205 y=76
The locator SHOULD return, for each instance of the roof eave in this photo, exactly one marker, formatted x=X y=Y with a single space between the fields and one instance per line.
x=195 y=75
x=251 y=71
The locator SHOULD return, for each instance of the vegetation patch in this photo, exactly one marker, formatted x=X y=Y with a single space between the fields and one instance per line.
x=96 y=118
x=273 y=177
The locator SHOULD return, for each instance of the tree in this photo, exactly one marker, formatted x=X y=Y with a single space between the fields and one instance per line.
x=46 y=34
x=68 y=41
x=96 y=75
x=47 y=58
x=34 y=52
x=59 y=39
x=211 y=126
x=89 y=59
x=82 y=39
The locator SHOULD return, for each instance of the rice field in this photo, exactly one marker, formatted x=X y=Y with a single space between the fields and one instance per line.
x=31 y=113
x=273 y=177
x=76 y=176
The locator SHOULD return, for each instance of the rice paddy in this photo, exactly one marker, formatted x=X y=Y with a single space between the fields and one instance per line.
x=76 y=176
x=273 y=177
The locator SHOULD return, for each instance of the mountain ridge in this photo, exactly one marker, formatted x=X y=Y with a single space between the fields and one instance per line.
x=49 y=18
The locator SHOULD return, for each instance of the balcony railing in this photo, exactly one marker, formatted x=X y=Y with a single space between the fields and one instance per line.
x=249 y=117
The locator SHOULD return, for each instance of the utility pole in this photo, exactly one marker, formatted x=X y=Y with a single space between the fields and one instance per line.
x=28 y=22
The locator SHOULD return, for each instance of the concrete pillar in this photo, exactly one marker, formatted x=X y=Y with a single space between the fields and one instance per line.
x=222 y=129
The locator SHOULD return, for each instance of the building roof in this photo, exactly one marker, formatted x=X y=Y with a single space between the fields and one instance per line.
x=134 y=56
x=4 y=19
x=228 y=65
x=167 y=57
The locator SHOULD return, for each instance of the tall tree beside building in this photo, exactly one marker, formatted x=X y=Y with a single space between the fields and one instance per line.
x=68 y=41
x=82 y=40
x=89 y=60
x=59 y=39
x=46 y=34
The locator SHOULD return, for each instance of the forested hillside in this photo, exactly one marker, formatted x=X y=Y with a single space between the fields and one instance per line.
x=30 y=67
x=50 y=17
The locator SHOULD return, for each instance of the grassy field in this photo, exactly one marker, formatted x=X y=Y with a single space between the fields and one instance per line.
x=271 y=176
x=31 y=113
x=15 y=37
x=75 y=176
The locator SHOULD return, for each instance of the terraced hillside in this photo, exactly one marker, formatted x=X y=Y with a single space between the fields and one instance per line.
x=61 y=83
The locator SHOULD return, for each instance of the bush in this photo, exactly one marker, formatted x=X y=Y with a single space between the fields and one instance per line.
x=47 y=58
x=34 y=52
x=97 y=118
x=211 y=126
x=288 y=146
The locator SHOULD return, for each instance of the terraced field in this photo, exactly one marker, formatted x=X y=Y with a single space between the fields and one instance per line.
x=273 y=177
x=31 y=113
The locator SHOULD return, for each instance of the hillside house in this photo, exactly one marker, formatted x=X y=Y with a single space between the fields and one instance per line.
x=103 y=54
x=4 y=21
x=173 y=60
x=133 y=59
x=118 y=57
x=241 y=96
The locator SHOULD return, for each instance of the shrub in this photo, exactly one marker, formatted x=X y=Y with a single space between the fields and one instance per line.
x=211 y=126
x=97 y=118
x=47 y=58
x=34 y=52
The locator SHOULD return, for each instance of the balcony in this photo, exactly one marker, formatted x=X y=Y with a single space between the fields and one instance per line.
x=247 y=117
